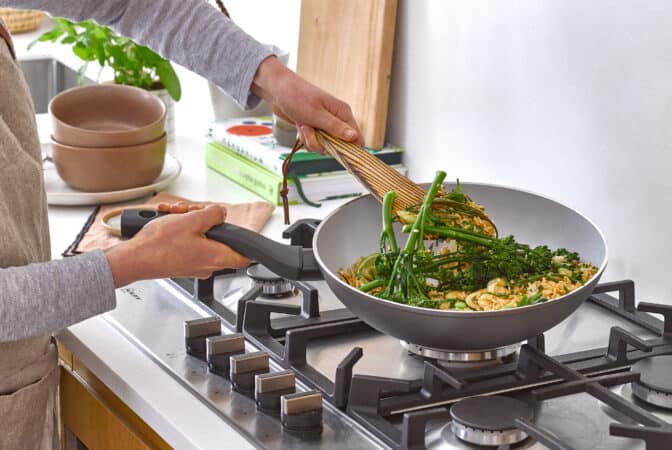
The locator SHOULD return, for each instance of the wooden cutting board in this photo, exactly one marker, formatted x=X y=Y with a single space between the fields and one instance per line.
x=345 y=47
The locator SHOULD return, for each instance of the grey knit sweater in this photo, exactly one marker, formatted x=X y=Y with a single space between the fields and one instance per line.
x=44 y=297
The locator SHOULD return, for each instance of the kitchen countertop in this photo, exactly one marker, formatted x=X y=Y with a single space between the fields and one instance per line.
x=175 y=414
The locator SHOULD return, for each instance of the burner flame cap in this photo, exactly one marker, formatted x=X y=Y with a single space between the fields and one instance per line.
x=655 y=373
x=492 y=413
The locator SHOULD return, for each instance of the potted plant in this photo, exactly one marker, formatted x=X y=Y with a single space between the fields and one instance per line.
x=131 y=64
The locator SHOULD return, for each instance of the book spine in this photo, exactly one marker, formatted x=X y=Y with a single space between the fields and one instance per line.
x=244 y=172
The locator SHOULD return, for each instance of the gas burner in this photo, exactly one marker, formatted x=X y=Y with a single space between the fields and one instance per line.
x=472 y=358
x=625 y=391
x=272 y=285
x=655 y=383
x=490 y=420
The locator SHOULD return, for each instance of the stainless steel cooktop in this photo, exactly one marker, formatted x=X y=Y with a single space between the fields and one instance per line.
x=289 y=367
x=151 y=314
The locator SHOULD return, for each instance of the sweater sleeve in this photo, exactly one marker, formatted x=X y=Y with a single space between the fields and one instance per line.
x=190 y=32
x=45 y=297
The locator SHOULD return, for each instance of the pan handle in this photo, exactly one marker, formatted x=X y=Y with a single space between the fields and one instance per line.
x=289 y=261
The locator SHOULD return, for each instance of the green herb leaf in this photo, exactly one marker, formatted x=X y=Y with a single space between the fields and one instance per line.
x=83 y=52
x=169 y=79
x=147 y=56
x=132 y=64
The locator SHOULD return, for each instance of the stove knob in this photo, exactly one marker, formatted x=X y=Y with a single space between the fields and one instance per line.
x=301 y=414
x=243 y=369
x=197 y=330
x=219 y=350
x=269 y=387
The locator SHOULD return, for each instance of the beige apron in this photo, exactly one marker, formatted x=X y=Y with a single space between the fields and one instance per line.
x=28 y=368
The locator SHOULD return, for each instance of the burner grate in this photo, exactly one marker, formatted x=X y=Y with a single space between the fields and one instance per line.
x=258 y=327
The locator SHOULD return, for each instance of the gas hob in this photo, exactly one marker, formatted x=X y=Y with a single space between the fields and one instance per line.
x=289 y=366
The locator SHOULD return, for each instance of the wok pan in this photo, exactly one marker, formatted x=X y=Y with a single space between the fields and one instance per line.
x=353 y=230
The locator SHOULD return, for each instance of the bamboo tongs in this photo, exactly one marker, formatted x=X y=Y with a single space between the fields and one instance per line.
x=376 y=176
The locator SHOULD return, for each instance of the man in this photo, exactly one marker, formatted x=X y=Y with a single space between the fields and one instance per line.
x=38 y=297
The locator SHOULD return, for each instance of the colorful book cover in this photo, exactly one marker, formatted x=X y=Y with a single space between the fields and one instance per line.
x=252 y=137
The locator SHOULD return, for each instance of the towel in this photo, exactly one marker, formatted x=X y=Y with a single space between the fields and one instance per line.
x=94 y=235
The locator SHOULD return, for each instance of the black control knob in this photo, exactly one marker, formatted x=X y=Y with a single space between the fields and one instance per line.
x=269 y=387
x=243 y=369
x=197 y=331
x=220 y=349
x=301 y=414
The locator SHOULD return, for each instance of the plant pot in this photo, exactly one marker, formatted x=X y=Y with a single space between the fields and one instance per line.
x=224 y=107
x=170 y=112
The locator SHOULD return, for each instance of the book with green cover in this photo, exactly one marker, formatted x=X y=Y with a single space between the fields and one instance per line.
x=310 y=189
x=252 y=137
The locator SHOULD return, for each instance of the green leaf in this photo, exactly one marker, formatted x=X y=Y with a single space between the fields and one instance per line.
x=69 y=27
x=147 y=56
x=89 y=25
x=50 y=35
x=169 y=79
x=118 y=55
x=98 y=47
x=83 y=52
x=99 y=33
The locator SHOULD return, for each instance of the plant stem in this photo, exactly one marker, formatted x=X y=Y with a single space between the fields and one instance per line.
x=387 y=237
x=410 y=248
x=372 y=285
x=457 y=234
x=442 y=261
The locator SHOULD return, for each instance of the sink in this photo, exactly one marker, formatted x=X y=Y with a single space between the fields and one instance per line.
x=46 y=77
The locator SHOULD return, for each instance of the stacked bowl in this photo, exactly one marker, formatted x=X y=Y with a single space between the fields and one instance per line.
x=108 y=137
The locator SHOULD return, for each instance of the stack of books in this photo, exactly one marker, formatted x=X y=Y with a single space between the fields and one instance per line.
x=245 y=151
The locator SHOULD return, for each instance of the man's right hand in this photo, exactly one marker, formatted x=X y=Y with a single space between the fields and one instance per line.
x=174 y=246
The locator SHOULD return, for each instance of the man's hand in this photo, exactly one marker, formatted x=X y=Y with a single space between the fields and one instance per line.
x=303 y=104
x=174 y=246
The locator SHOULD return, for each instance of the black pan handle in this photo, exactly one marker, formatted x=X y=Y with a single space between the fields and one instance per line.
x=289 y=261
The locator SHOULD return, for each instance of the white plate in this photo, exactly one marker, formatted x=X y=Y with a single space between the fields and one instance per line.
x=59 y=193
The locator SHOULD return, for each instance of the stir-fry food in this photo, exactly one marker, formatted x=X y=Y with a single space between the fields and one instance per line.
x=454 y=259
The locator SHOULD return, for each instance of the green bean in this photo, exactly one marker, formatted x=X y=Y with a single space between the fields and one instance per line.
x=371 y=285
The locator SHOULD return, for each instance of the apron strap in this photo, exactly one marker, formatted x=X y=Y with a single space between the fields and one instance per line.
x=4 y=35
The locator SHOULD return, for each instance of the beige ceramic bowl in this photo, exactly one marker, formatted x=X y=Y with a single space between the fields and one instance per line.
x=107 y=115
x=104 y=169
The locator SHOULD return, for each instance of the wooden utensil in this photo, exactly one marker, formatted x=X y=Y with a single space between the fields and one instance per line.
x=345 y=47
x=376 y=176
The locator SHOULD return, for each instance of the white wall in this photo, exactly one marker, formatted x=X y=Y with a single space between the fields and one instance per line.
x=269 y=21
x=569 y=98
x=572 y=99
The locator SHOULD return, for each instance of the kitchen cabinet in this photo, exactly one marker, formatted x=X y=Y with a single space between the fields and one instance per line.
x=93 y=417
